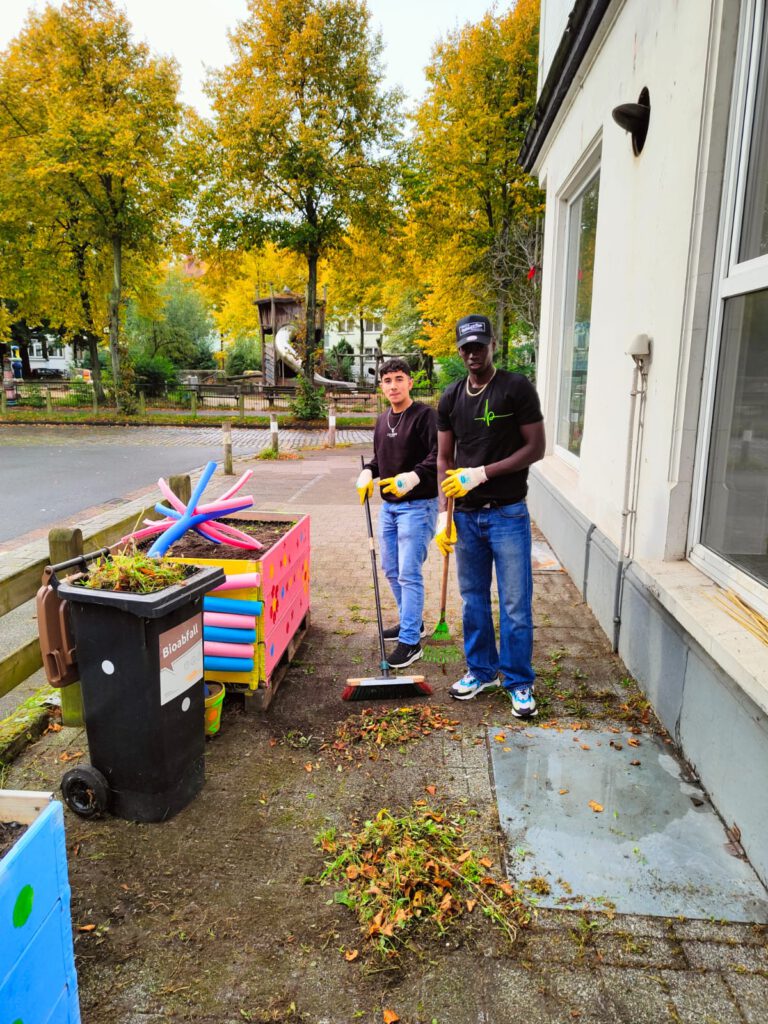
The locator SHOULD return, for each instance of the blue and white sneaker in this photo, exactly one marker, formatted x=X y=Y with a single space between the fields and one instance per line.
x=468 y=687
x=523 y=701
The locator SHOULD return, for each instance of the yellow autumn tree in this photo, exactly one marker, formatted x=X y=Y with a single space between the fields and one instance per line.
x=90 y=119
x=303 y=130
x=474 y=210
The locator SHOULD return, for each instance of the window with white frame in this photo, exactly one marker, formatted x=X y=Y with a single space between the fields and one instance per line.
x=577 y=315
x=731 y=524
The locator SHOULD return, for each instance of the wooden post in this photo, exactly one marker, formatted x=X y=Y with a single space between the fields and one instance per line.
x=193 y=403
x=226 y=431
x=181 y=486
x=274 y=432
x=142 y=402
x=48 y=402
x=63 y=544
x=331 y=424
x=241 y=403
x=3 y=398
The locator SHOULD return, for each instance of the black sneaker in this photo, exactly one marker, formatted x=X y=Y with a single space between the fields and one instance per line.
x=404 y=655
x=393 y=633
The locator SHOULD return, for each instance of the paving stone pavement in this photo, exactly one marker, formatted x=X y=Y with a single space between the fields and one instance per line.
x=244 y=439
x=141 y=884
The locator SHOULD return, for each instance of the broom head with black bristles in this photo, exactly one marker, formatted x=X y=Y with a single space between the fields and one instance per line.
x=386 y=688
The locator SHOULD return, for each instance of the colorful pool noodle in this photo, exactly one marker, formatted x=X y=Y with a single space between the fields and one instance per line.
x=229 y=636
x=232 y=606
x=239 y=581
x=222 y=533
x=228 y=664
x=178 y=529
x=215 y=649
x=229 y=621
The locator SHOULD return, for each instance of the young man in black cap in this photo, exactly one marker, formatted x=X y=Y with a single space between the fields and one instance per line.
x=490 y=431
x=405 y=457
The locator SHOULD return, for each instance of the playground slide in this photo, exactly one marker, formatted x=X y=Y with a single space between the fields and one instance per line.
x=290 y=357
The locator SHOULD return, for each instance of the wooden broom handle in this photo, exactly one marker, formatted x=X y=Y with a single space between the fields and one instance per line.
x=444 y=587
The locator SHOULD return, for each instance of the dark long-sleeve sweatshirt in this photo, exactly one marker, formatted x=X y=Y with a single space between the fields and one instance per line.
x=407 y=442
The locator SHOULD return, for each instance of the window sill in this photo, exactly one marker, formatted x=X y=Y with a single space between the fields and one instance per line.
x=687 y=594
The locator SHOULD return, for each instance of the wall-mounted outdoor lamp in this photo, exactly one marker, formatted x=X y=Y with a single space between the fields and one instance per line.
x=634 y=118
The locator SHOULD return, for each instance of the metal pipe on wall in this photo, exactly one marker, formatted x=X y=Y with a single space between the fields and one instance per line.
x=640 y=351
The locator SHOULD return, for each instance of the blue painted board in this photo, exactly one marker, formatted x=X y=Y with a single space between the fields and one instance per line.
x=36 y=953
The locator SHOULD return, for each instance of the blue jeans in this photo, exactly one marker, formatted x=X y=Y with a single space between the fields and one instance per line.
x=406 y=530
x=499 y=537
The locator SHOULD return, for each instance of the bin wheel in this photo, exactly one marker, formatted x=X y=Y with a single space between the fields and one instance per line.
x=85 y=791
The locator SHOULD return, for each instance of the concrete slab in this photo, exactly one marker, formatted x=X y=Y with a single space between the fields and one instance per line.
x=610 y=819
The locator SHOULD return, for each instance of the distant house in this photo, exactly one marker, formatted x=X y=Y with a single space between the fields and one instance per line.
x=366 y=345
x=654 y=489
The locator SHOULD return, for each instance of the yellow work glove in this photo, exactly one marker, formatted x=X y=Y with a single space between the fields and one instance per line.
x=443 y=539
x=399 y=485
x=364 y=485
x=459 y=482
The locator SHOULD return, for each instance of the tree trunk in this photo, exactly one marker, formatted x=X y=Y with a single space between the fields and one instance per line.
x=90 y=333
x=93 y=351
x=309 y=357
x=114 y=313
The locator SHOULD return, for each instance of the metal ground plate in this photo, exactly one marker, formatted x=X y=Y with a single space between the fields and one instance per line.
x=657 y=847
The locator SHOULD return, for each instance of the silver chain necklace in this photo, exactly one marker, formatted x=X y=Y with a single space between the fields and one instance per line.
x=475 y=394
x=392 y=432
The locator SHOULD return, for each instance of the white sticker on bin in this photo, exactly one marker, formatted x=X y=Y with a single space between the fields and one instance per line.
x=181 y=658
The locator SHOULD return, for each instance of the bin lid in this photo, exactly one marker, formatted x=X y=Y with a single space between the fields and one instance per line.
x=148 y=606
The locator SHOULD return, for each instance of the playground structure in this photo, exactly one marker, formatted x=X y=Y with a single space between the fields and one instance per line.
x=280 y=317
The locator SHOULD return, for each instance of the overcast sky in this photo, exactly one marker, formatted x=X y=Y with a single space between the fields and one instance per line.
x=195 y=33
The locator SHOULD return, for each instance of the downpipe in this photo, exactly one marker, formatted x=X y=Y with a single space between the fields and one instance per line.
x=640 y=351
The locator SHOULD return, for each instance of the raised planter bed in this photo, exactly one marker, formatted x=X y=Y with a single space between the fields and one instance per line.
x=38 y=981
x=284 y=593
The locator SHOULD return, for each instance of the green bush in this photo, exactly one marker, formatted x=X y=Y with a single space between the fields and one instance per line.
x=244 y=355
x=309 y=403
x=154 y=374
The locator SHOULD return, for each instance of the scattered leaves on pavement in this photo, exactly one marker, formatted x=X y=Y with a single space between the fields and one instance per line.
x=373 y=730
x=401 y=875
x=596 y=807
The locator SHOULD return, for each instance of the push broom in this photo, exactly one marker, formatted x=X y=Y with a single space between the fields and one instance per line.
x=386 y=686
x=441 y=648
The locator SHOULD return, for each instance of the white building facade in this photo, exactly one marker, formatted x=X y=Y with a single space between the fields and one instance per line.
x=654 y=490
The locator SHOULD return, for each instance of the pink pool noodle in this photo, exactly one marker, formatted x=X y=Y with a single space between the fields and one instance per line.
x=239 y=581
x=224 y=620
x=236 y=487
x=214 y=649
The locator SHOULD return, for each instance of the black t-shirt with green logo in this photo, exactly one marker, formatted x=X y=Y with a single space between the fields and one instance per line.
x=487 y=429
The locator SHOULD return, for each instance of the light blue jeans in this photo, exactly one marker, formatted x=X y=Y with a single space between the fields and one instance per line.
x=499 y=537
x=406 y=530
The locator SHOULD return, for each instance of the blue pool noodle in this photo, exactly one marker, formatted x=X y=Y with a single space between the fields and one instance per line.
x=228 y=664
x=229 y=636
x=232 y=606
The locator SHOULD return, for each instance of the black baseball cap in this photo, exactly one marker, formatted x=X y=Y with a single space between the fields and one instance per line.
x=474 y=328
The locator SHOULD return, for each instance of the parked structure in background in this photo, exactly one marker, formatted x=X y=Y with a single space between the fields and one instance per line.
x=650 y=137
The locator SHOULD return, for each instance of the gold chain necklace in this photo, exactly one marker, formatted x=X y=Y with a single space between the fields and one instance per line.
x=475 y=394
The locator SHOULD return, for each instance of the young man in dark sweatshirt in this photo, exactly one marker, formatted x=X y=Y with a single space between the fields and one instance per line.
x=405 y=460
